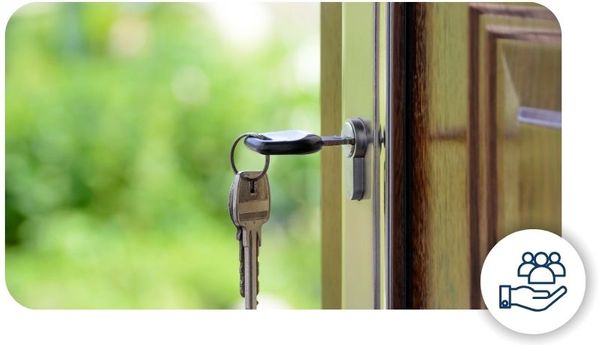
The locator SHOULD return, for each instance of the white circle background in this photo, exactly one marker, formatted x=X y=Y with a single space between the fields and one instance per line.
x=500 y=268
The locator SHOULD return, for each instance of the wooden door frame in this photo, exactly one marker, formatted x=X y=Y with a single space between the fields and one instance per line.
x=331 y=160
x=351 y=230
x=389 y=97
x=400 y=41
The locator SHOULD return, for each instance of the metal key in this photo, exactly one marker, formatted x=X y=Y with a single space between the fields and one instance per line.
x=238 y=236
x=293 y=142
x=250 y=208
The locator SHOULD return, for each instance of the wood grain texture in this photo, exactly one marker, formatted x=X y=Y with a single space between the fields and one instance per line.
x=331 y=174
x=396 y=146
x=444 y=208
x=470 y=172
x=501 y=174
x=529 y=156
x=417 y=155
x=434 y=235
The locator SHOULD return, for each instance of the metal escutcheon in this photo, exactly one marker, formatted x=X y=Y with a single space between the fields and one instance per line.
x=358 y=129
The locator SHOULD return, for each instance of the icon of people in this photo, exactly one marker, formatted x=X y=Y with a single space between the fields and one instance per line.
x=527 y=265
x=556 y=266
x=541 y=268
x=541 y=274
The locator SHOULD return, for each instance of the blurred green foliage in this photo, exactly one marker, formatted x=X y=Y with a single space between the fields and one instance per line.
x=119 y=120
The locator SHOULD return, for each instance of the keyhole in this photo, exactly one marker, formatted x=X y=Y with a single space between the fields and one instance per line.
x=252 y=187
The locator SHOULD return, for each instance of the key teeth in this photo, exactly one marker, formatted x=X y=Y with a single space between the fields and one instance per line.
x=242 y=267
x=242 y=282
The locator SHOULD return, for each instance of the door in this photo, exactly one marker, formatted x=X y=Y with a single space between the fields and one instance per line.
x=464 y=103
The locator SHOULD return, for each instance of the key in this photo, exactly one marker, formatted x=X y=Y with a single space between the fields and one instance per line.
x=293 y=142
x=241 y=255
x=238 y=236
x=250 y=208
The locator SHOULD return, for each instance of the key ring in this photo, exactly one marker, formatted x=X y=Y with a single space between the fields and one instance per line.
x=232 y=153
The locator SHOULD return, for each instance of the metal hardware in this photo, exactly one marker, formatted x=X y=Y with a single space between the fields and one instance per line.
x=292 y=142
x=355 y=139
x=358 y=130
x=232 y=155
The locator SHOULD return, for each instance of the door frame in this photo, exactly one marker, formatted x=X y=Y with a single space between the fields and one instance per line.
x=352 y=43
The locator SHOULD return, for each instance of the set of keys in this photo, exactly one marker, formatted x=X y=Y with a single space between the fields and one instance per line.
x=250 y=208
x=250 y=196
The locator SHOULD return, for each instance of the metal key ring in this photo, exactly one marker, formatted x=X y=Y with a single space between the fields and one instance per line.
x=232 y=153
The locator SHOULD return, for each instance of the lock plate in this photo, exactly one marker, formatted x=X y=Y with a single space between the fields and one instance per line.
x=355 y=164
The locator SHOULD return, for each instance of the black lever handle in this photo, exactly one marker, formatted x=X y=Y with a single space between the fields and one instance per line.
x=292 y=142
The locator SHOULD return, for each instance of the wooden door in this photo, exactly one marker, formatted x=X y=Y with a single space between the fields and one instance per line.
x=468 y=96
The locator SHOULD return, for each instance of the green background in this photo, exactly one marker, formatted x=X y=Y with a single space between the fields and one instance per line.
x=119 y=120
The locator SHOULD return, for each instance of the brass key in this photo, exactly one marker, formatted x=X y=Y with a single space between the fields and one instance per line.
x=250 y=208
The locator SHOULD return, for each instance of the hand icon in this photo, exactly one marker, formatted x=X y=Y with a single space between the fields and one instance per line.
x=528 y=298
